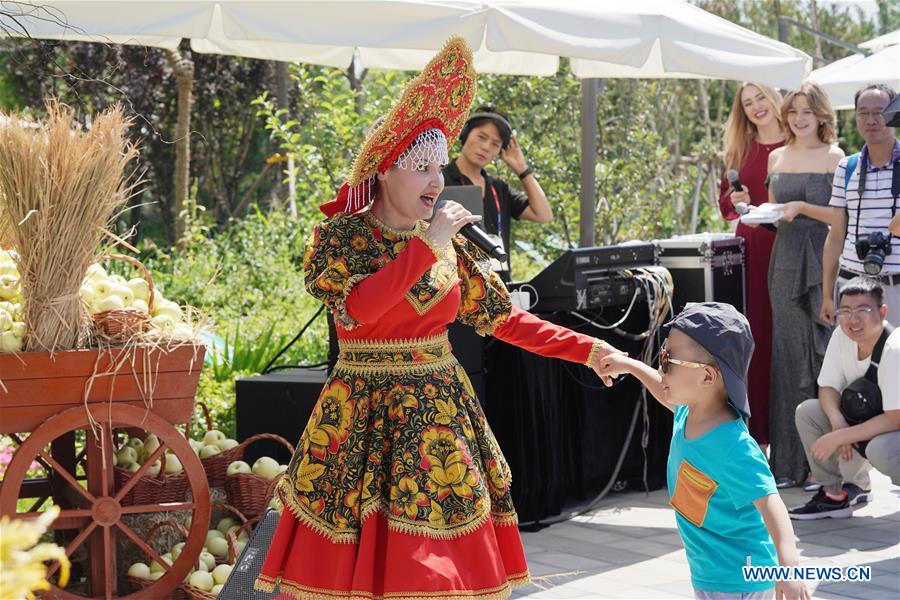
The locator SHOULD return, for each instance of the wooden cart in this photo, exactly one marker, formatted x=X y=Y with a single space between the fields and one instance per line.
x=68 y=426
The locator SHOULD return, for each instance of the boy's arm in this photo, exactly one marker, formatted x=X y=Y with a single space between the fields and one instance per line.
x=616 y=364
x=778 y=523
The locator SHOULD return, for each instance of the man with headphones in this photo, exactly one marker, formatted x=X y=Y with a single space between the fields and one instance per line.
x=486 y=135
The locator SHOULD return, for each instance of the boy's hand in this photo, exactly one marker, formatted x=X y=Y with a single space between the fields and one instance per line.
x=611 y=366
x=791 y=590
x=605 y=352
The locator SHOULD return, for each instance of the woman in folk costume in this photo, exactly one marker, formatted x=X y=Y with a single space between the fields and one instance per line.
x=398 y=488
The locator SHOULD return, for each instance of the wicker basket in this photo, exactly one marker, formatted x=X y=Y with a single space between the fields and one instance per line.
x=140 y=583
x=122 y=323
x=247 y=526
x=248 y=492
x=153 y=490
x=216 y=466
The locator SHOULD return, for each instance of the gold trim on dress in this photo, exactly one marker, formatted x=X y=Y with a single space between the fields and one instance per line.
x=341 y=316
x=417 y=356
x=437 y=250
x=327 y=530
x=394 y=345
x=595 y=350
x=403 y=234
x=305 y=592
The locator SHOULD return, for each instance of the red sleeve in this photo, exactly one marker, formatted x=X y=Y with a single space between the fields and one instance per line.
x=725 y=205
x=379 y=292
x=527 y=331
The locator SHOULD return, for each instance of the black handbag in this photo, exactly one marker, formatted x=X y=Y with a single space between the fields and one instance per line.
x=861 y=400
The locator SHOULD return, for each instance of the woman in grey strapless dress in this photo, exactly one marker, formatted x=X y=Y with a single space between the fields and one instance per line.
x=799 y=337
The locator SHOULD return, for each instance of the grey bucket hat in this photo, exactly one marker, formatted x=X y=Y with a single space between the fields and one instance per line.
x=725 y=334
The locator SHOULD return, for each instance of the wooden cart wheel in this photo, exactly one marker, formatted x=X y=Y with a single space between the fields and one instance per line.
x=98 y=511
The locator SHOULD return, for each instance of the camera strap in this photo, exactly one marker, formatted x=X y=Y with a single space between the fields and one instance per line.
x=895 y=189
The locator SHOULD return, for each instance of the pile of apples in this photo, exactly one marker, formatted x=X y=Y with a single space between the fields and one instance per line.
x=205 y=575
x=265 y=466
x=136 y=451
x=213 y=442
x=12 y=319
x=103 y=292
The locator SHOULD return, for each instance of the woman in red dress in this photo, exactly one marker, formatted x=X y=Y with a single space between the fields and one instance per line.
x=753 y=130
x=398 y=488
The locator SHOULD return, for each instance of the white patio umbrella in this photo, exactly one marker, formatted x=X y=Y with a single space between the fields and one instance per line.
x=842 y=78
x=608 y=38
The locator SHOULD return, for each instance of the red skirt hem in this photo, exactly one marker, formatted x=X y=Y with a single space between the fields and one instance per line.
x=305 y=565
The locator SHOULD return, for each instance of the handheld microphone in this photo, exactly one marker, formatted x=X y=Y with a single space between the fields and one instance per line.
x=477 y=236
x=734 y=180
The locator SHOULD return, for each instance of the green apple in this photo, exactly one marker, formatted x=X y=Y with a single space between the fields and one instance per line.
x=227 y=444
x=173 y=465
x=266 y=466
x=202 y=580
x=157 y=575
x=156 y=567
x=10 y=342
x=176 y=550
x=117 y=279
x=123 y=292
x=134 y=467
x=213 y=534
x=236 y=467
x=220 y=574
x=151 y=443
x=126 y=456
x=225 y=524
x=95 y=272
x=140 y=306
x=136 y=443
x=217 y=589
x=111 y=302
x=217 y=546
x=140 y=288
x=140 y=570
x=208 y=451
x=212 y=437
x=153 y=471
x=208 y=559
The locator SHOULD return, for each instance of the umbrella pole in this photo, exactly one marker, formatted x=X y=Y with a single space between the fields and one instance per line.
x=588 y=161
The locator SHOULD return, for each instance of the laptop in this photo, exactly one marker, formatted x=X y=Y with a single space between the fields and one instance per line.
x=470 y=196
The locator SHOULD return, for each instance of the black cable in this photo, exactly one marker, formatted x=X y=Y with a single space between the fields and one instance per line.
x=293 y=341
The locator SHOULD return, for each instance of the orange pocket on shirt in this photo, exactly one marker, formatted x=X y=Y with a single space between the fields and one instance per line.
x=693 y=489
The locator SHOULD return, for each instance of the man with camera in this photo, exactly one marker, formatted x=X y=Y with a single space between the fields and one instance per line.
x=855 y=421
x=864 y=203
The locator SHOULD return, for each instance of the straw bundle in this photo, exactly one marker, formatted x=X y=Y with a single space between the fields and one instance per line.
x=61 y=187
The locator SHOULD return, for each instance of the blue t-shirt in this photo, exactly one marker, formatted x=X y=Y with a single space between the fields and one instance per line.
x=713 y=481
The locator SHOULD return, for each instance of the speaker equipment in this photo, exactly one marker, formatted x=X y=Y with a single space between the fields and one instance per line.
x=279 y=402
x=706 y=267
x=585 y=278
x=239 y=585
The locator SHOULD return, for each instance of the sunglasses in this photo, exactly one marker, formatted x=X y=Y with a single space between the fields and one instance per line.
x=665 y=359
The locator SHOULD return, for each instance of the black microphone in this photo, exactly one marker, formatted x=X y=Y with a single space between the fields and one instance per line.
x=477 y=236
x=734 y=180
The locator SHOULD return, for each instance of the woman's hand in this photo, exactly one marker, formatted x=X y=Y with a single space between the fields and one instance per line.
x=790 y=210
x=742 y=196
x=447 y=221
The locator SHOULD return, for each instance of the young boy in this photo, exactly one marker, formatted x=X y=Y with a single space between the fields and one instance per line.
x=727 y=507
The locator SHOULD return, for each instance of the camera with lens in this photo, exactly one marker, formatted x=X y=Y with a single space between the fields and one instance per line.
x=872 y=249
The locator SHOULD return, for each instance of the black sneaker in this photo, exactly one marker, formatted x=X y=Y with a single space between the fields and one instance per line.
x=857 y=495
x=822 y=507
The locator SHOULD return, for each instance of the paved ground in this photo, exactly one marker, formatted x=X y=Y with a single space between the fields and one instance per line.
x=629 y=548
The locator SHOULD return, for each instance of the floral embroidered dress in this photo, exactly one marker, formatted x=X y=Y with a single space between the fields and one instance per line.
x=398 y=488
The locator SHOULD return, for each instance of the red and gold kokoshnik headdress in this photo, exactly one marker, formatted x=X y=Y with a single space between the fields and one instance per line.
x=438 y=98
